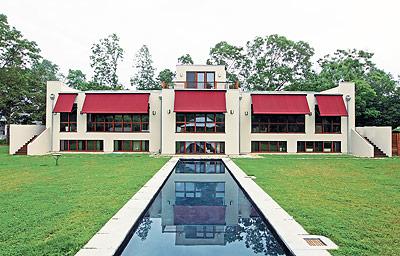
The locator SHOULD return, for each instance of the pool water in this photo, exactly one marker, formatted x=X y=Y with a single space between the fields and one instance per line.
x=201 y=210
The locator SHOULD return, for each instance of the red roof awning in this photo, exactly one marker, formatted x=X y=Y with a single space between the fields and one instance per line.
x=200 y=101
x=280 y=104
x=116 y=103
x=199 y=215
x=65 y=102
x=331 y=105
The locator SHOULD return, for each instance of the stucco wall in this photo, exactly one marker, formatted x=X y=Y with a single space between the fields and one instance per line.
x=21 y=134
x=220 y=74
x=380 y=136
x=41 y=145
x=359 y=146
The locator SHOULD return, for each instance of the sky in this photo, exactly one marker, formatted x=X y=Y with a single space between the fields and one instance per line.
x=65 y=30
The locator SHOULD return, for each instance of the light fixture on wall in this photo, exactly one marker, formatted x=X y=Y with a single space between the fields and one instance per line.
x=169 y=111
x=348 y=97
x=232 y=112
x=154 y=112
x=246 y=113
x=181 y=74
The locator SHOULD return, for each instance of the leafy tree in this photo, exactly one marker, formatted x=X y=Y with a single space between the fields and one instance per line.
x=144 y=79
x=166 y=76
x=185 y=59
x=104 y=59
x=17 y=55
x=77 y=80
x=267 y=63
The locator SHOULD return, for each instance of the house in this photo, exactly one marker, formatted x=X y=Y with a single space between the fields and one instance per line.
x=202 y=114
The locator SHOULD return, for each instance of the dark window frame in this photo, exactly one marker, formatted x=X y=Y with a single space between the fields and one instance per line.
x=69 y=116
x=92 y=123
x=336 y=147
x=267 y=122
x=268 y=146
x=178 y=145
x=144 y=143
x=322 y=121
x=85 y=142
x=183 y=124
x=195 y=84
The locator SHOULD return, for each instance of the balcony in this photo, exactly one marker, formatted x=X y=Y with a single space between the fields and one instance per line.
x=204 y=85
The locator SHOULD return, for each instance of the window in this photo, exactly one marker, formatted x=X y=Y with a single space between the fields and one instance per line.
x=68 y=120
x=278 y=123
x=200 y=80
x=131 y=145
x=118 y=123
x=200 y=167
x=200 y=232
x=327 y=124
x=319 y=146
x=200 y=193
x=200 y=122
x=200 y=147
x=268 y=146
x=81 y=145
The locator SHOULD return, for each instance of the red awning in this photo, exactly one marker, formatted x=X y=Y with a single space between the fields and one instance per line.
x=331 y=105
x=116 y=103
x=200 y=101
x=280 y=104
x=65 y=102
x=199 y=215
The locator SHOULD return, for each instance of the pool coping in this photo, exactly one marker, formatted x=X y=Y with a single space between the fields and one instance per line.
x=108 y=239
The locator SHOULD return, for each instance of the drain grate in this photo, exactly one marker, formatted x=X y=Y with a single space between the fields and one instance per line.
x=314 y=242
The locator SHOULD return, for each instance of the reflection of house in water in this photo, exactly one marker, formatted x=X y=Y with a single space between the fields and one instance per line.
x=199 y=207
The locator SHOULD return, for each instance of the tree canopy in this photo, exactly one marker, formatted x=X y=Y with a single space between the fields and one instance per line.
x=144 y=77
x=185 y=59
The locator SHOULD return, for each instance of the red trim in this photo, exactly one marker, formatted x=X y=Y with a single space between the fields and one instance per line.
x=77 y=145
x=200 y=101
x=323 y=147
x=331 y=105
x=65 y=102
x=186 y=122
x=131 y=146
x=268 y=143
x=214 y=143
x=280 y=104
x=92 y=125
x=116 y=103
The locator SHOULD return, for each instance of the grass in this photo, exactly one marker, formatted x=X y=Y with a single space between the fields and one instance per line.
x=54 y=210
x=353 y=201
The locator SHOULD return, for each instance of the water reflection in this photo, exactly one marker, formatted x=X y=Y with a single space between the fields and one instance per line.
x=202 y=211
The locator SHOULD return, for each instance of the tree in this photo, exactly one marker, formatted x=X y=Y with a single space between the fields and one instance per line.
x=166 y=76
x=17 y=55
x=267 y=63
x=185 y=59
x=104 y=59
x=77 y=80
x=144 y=79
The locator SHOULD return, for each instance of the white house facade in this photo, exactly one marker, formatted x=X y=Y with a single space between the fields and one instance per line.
x=201 y=114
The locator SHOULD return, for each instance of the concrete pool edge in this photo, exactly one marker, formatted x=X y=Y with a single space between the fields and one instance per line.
x=291 y=233
x=109 y=238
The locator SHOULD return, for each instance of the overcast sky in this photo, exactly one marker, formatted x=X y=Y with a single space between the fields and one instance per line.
x=65 y=30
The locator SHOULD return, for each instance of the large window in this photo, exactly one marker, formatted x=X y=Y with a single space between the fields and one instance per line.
x=319 y=147
x=68 y=120
x=268 y=146
x=200 y=147
x=278 y=123
x=200 y=80
x=200 y=193
x=131 y=145
x=81 y=145
x=118 y=123
x=194 y=166
x=327 y=124
x=200 y=122
x=200 y=232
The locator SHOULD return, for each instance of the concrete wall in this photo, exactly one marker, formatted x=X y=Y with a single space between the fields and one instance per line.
x=21 y=134
x=230 y=137
x=41 y=145
x=380 y=136
x=359 y=146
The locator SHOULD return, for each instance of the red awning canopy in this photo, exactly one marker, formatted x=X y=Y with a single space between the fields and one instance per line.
x=280 y=104
x=199 y=215
x=200 y=101
x=331 y=105
x=65 y=102
x=116 y=103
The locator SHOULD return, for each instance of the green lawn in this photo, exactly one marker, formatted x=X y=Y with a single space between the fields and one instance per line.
x=353 y=201
x=54 y=210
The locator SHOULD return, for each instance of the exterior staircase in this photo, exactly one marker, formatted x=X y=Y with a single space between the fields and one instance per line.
x=24 y=149
x=377 y=151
